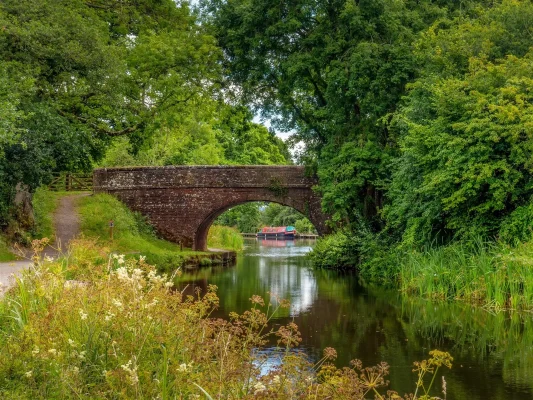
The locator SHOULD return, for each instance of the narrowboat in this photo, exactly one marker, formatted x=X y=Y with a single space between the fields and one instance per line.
x=277 y=232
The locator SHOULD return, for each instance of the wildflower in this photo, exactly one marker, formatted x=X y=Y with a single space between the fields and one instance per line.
x=115 y=256
x=35 y=351
x=120 y=259
x=28 y=374
x=52 y=352
x=255 y=299
x=117 y=303
x=122 y=274
x=131 y=371
x=83 y=315
x=142 y=258
x=169 y=284
x=330 y=353
x=258 y=388
x=81 y=356
x=137 y=274
x=276 y=380
x=182 y=367
x=109 y=317
x=72 y=343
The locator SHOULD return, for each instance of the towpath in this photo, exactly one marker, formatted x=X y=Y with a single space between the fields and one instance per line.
x=67 y=227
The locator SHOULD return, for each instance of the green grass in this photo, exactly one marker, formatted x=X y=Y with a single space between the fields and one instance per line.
x=45 y=203
x=5 y=254
x=131 y=234
x=225 y=237
x=490 y=274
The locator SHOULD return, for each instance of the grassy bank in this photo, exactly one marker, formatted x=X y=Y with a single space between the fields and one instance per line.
x=5 y=253
x=132 y=235
x=119 y=330
x=493 y=275
x=489 y=274
x=225 y=237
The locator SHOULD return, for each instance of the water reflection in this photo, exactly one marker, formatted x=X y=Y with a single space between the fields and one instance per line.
x=493 y=353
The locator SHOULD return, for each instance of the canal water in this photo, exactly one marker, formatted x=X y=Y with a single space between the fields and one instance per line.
x=493 y=353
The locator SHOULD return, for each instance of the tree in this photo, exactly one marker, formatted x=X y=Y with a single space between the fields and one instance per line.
x=333 y=72
x=466 y=129
x=77 y=74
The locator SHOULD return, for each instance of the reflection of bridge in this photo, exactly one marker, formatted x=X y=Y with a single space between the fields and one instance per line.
x=183 y=201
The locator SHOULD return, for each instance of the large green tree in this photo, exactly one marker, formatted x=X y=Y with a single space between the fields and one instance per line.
x=333 y=71
x=75 y=74
x=466 y=129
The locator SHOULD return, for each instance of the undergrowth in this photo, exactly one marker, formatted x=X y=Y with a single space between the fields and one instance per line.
x=491 y=274
x=120 y=330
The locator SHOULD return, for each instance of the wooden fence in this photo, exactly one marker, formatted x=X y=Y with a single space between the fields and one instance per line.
x=70 y=182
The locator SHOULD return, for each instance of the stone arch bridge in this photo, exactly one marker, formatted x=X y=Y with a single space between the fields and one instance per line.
x=182 y=202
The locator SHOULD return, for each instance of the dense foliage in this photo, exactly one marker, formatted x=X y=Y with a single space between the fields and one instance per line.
x=415 y=114
x=136 y=82
x=250 y=217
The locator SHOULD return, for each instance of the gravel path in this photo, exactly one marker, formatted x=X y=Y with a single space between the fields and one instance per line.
x=67 y=227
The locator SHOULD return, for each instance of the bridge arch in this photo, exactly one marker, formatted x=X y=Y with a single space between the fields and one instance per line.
x=183 y=201
x=200 y=238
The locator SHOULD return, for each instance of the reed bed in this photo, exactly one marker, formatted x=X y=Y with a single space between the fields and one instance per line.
x=490 y=274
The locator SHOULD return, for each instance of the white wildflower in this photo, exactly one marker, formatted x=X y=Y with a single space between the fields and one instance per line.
x=276 y=380
x=131 y=369
x=81 y=356
x=28 y=374
x=109 y=316
x=35 y=351
x=72 y=343
x=83 y=315
x=52 y=352
x=182 y=367
x=259 y=387
x=122 y=274
x=142 y=258
x=137 y=274
x=117 y=303
x=169 y=284
x=115 y=256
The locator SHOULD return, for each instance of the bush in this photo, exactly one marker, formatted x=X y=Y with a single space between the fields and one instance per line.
x=336 y=251
x=517 y=227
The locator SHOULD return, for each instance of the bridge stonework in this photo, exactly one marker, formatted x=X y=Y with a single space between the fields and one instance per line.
x=182 y=202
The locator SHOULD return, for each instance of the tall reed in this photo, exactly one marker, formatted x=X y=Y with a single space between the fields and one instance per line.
x=490 y=274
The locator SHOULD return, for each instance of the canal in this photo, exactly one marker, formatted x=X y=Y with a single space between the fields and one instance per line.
x=493 y=353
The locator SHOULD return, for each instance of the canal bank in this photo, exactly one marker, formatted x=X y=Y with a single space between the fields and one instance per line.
x=493 y=357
